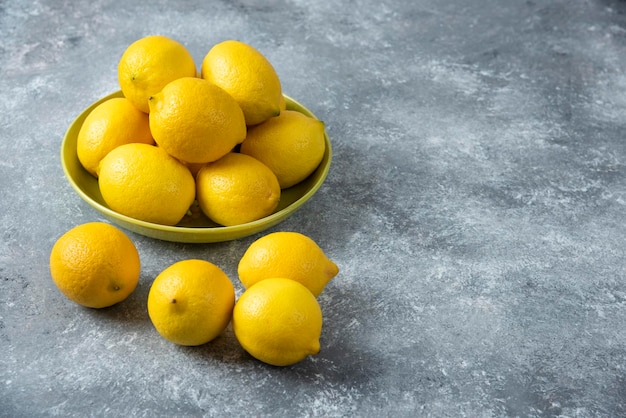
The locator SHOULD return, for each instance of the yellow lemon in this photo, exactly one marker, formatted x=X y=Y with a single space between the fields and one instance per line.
x=278 y=321
x=112 y=123
x=247 y=75
x=196 y=121
x=236 y=189
x=148 y=64
x=290 y=255
x=292 y=145
x=95 y=265
x=146 y=183
x=191 y=302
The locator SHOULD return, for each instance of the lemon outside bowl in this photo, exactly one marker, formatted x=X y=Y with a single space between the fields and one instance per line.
x=194 y=227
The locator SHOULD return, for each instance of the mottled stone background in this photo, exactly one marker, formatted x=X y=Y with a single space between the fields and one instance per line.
x=475 y=206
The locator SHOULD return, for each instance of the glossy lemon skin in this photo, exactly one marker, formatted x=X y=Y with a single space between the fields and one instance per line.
x=290 y=255
x=95 y=265
x=191 y=302
x=278 y=321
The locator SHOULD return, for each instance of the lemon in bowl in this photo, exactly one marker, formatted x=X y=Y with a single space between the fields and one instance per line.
x=195 y=227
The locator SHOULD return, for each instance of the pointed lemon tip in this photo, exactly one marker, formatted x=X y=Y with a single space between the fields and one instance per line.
x=331 y=269
x=315 y=348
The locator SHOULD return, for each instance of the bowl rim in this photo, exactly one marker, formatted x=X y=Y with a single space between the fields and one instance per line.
x=195 y=233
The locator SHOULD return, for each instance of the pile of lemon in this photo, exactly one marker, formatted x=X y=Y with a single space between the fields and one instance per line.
x=277 y=319
x=222 y=136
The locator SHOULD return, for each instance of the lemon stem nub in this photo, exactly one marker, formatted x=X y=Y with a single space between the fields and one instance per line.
x=173 y=300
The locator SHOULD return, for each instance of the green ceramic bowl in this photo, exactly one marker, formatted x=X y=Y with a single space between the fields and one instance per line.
x=195 y=227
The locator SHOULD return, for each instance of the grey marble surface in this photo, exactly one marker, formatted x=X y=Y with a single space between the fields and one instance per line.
x=475 y=206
